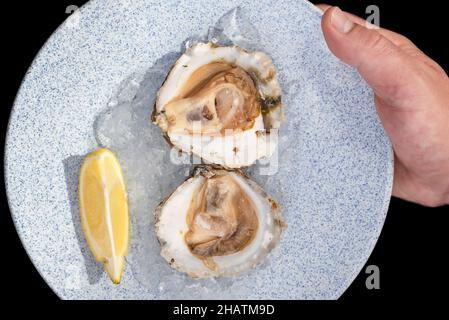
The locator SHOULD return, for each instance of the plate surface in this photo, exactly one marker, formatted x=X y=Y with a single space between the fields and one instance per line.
x=335 y=170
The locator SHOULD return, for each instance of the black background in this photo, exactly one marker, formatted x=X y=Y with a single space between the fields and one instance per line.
x=411 y=250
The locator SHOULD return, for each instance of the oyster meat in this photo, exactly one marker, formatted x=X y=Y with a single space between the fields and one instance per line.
x=222 y=104
x=217 y=223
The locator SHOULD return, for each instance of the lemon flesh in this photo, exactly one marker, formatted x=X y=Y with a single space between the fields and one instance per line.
x=104 y=210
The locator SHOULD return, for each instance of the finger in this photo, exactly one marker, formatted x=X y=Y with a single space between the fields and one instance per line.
x=394 y=37
x=381 y=63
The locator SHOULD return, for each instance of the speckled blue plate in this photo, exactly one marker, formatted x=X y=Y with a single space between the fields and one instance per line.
x=336 y=185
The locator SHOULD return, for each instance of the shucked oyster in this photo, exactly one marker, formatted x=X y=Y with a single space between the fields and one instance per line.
x=222 y=104
x=217 y=223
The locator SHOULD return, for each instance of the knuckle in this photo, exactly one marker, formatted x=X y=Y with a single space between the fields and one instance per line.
x=405 y=42
x=374 y=40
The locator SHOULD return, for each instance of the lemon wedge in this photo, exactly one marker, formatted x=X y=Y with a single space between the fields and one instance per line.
x=104 y=211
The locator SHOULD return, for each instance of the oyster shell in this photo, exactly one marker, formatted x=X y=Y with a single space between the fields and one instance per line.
x=217 y=223
x=222 y=104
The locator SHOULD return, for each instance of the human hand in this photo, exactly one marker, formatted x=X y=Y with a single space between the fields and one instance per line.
x=411 y=97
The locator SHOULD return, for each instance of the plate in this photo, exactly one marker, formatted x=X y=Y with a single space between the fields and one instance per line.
x=333 y=181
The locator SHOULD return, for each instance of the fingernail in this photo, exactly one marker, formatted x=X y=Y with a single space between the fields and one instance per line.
x=340 y=21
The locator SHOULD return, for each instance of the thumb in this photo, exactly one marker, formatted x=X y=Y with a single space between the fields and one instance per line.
x=380 y=62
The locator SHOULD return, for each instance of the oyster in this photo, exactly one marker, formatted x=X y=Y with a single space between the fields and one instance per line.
x=217 y=223
x=222 y=104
